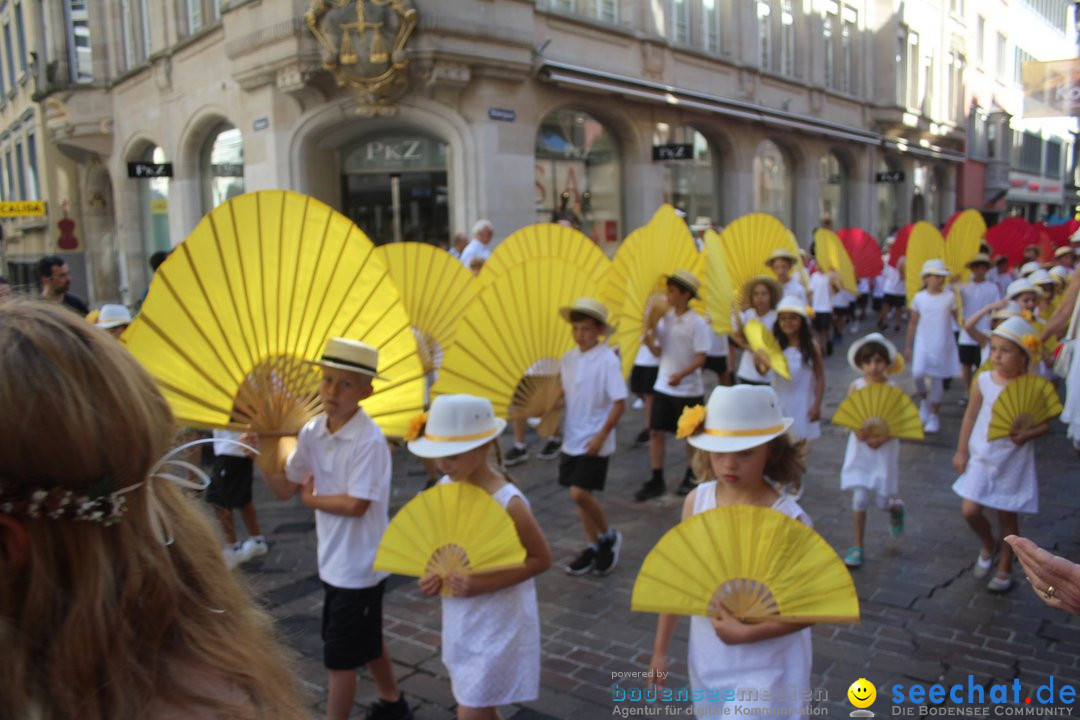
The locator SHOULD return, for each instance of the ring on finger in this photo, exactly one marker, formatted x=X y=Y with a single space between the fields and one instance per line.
x=1049 y=592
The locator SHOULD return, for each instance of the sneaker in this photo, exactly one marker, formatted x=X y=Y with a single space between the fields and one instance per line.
x=550 y=450
x=642 y=438
x=533 y=422
x=1000 y=583
x=584 y=563
x=651 y=489
x=983 y=564
x=933 y=424
x=853 y=559
x=255 y=547
x=638 y=404
x=924 y=411
x=515 y=456
x=383 y=710
x=234 y=555
x=896 y=519
x=687 y=484
x=607 y=553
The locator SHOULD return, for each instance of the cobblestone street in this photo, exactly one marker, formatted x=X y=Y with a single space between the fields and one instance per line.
x=925 y=619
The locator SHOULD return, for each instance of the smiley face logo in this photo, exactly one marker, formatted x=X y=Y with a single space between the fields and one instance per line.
x=862 y=693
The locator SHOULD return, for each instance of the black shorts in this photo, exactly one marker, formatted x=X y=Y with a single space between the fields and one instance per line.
x=876 y=303
x=666 y=410
x=821 y=321
x=842 y=312
x=716 y=363
x=352 y=626
x=643 y=378
x=861 y=300
x=970 y=355
x=230 y=482
x=896 y=301
x=584 y=471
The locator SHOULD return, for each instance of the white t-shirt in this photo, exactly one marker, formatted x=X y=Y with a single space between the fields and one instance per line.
x=975 y=296
x=645 y=358
x=879 y=284
x=475 y=250
x=681 y=338
x=719 y=345
x=353 y=461
x=894 y=282
x=795 y=288
x=821 y=293
x=225 y=443
x=592 y=383
x=842 y=298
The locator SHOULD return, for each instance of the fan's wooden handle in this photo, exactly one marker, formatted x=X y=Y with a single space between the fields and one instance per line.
x=274 y=452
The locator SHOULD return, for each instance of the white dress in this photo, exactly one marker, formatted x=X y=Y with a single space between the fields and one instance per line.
x=777 y=663
x=491 y=642
x=877 y=470
x=999 y=474
x=935 y=353
x=796 y=396
x=747 y=370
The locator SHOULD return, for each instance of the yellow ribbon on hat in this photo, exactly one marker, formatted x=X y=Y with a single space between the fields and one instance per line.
x=744 y=433
x=462 y=438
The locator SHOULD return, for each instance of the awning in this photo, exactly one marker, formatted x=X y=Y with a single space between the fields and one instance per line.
x=932 y=152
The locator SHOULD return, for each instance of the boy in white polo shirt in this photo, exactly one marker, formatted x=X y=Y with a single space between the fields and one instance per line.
x=341 y=468
x=594 y=397
x=681 y=340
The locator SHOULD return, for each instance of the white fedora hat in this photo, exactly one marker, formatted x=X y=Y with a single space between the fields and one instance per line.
x=351 y=355
x=782 y=254
x=1041 y=277
x=935 y=267
x=456 y=424
x=590 y=307
x=872 y=337
x=1010 y=310
x=792 y=304
x=1029 y=267
x=686 y=280
x=1021 y=332
x=1019 y=287
x=738 y=418
x=1064 y=250
x=112 y=316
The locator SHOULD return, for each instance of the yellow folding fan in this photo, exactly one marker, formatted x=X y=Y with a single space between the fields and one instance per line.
x=719 y=293
x=511 y=339
x=748 y=242
x=255 y=291
x=965 y=236
x=760 y=564
x=924 y=243
x=451 y=528
x=832 y=256
x=882 y=411
x=435 y=290
x=760 y=338
x=1025 y=402
x=637 y=279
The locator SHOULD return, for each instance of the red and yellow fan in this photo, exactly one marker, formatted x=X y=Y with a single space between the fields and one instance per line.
x=760 y=564
x=1025 y=402
x=832 y=256
x=925 y=243
x=864 y=251
x=880 y=410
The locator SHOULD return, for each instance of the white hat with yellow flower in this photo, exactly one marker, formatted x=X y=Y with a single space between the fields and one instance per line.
x=1021 y=332
x=896 y=360
x=792 y=304
x=454 y=425
x=736 y=418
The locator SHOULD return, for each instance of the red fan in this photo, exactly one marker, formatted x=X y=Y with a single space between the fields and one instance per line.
x=1060 y=233
x=899 y=248
x=949 y=222
x=1009 y=238
x=864 y=251
x=1046 y=248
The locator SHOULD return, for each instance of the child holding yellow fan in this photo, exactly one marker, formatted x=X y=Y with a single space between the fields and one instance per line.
x=491 y=623
x=800 y=396
x=744 y=457
x=999 y=474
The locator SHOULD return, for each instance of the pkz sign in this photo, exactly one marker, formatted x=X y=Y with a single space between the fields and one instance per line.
x=891 y=176
x=673 y=151
x=149 y=170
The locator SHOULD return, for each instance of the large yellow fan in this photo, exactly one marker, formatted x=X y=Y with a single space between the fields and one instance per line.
x=832 y=256
x=1025 y=402
x=760 y=564
x=511 y=340
x=924 y=243
x=882 y=411
x=637 y=278
x=719 y=293
x=965 y=236
x=256 y=289
x=760 y=338
x=748 y=242
x=435 y=289
x=452 y=528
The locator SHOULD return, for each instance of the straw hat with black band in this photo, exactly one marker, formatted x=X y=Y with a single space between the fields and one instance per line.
x=351 y=355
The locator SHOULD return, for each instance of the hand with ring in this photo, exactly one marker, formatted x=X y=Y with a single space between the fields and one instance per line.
x=1053 y=578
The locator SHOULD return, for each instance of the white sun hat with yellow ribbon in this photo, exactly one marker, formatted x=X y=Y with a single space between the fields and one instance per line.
x=454 y=425
x=736 y=418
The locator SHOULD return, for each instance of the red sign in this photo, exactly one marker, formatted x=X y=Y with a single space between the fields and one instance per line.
x=611 y=231
x=1033 y=186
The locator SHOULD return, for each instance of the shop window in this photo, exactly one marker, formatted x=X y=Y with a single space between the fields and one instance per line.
x=773 y=189
x=222 y=166
x=833 y=182
x=689 y=179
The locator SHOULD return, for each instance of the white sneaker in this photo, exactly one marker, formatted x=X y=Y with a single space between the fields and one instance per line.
x=933 y=424
x=982 y=565
x=638 y=404
x=924 y=411
x=234 y=555
x=255 y=547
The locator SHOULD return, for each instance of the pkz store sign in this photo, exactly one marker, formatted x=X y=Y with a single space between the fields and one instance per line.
x=396 y=152
x=149 y=170
x=673 y=151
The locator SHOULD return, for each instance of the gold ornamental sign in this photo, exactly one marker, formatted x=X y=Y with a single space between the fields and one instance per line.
x=363 y=42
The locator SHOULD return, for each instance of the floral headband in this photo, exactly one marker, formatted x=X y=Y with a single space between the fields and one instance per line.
x=691 y=422
x=416 y=427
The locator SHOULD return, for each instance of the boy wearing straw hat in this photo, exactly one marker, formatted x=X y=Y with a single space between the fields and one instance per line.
x=341 y=468
x=974 y=296
x=681 y=340
x=595 y=398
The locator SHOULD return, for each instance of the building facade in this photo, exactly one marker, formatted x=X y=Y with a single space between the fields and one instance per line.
x=596 y=111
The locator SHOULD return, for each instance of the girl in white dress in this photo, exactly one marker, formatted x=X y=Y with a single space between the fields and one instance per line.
x=931 y=345
x=763 y=294
x=491 y=623
x=998 y=474
x=871 y=464
x=800 y=397
x=747 y=458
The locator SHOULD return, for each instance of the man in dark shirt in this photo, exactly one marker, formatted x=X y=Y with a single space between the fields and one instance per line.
x=55 y=277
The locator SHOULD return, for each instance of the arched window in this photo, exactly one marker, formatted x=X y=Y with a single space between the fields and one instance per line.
x=222 y=166
x=773 y=190
x=154 y=205
x=578 y=180
x=926 y=199
x=833 y=180
x=689 y=176
x=889 y=180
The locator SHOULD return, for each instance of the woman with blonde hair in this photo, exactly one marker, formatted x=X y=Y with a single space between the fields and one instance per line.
x=114 y=599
